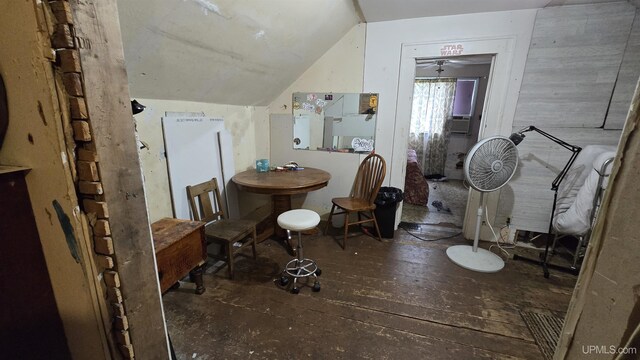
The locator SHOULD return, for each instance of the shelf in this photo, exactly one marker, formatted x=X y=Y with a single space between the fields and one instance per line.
x=7 y=169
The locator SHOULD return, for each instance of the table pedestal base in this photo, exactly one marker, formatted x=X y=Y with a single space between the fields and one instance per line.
x=281 y=204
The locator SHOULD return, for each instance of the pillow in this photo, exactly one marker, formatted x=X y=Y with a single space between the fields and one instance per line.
x=412 y=156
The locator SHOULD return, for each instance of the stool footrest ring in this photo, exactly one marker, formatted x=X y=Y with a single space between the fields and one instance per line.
x=301 y=268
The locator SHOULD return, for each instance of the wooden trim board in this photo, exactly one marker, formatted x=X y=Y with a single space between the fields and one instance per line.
x=97 y=33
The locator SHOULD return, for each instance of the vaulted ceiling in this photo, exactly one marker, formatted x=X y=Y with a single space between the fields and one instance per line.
x=246 y=52
x=240 y=52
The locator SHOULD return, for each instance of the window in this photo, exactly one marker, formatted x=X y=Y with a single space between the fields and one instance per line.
x=464 y=103
x=465 y=98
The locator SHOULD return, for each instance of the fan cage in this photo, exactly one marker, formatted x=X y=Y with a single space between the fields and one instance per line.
x=491 y=163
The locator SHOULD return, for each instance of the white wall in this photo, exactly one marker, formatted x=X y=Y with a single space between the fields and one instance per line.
x=339 y=70
x=247 y=124
x=383 y=57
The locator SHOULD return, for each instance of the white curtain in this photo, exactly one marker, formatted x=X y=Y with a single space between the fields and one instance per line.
x=431 y=122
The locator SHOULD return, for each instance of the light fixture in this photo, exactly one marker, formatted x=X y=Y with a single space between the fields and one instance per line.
x=440 y=69
x=517 y=138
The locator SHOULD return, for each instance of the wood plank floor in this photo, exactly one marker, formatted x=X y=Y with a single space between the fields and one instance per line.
x=401 y=298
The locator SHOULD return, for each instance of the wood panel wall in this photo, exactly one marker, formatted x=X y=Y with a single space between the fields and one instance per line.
x=626 y=80
x=570 y=76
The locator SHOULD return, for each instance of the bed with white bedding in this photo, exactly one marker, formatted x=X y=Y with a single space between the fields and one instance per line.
x=579 y=190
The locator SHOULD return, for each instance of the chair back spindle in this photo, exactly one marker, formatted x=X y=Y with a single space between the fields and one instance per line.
x=366 y=185
x=369 y=178
x=206 y=205
x=200 y=200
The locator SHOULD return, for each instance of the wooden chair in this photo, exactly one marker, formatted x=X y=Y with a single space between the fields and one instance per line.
x=368 y=180
x=219 y=229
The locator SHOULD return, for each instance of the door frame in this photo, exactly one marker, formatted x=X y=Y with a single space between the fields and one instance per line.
x=493 y=120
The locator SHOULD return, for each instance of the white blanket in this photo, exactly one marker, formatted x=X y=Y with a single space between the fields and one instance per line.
x=578 y=189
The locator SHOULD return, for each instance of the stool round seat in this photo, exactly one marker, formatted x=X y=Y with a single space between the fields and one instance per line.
x=298 y=220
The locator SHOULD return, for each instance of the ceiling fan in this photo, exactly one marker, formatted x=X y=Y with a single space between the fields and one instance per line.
x=454 y=61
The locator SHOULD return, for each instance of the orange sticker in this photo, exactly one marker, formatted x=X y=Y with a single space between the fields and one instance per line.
x=373 y=101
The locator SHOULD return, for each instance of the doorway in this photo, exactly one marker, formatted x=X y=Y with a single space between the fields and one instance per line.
x=446 y=113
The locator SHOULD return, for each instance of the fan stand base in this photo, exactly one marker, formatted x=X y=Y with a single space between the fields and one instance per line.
x=481 y=261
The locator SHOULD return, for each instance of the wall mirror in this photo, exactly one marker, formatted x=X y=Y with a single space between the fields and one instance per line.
x=344 y=122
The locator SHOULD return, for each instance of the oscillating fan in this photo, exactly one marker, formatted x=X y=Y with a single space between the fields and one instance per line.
x=489 y=165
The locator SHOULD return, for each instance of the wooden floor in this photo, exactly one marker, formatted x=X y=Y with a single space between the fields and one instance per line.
x=379 y=300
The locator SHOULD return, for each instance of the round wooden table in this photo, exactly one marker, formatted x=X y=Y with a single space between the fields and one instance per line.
x=281 y=185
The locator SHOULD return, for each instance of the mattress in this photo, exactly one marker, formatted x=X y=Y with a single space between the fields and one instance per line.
x=579 y=188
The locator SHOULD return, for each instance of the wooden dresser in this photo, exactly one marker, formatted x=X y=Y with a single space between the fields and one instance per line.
x=30 y=321
x=180 y=250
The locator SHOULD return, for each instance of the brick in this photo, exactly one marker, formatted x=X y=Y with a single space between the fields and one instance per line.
x=103 y=245
x=111 y=278
x=114 y=294
x=118 y=309
x=87 y=155
x=98 y=207
x=120 y=322
x=69 y=60
x=78 y=108
x=62 y=12
x=101 y=228
x=88 y=170
x=127 y=351
x=81 y=130
x=61 y=37
x=105 y=261
x=90 y=187
x=73 y=83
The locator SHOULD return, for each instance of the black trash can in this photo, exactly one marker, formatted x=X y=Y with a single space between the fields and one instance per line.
x=386 y=205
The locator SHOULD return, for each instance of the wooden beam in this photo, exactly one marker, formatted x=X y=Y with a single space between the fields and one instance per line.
x=603 y=310
x=106 y=92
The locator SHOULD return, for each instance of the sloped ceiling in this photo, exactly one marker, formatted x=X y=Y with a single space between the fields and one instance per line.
x=246 y=52
x=237 y=52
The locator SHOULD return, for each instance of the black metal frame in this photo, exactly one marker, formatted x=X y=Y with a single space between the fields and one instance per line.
x=516 y=138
